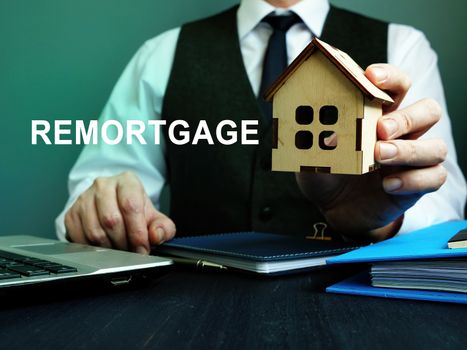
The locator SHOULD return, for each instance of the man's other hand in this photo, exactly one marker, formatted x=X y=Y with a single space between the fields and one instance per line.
x=115 y=212
x=375 y=202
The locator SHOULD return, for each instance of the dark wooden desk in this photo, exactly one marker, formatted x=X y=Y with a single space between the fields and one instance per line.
x=186 y=310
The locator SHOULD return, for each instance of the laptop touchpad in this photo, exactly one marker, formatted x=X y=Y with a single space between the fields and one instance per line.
x=59 y=248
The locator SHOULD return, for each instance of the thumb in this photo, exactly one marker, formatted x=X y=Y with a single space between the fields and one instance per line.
x=160 y=227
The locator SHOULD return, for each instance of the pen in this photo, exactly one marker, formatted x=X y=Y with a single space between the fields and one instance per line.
x=198 y=263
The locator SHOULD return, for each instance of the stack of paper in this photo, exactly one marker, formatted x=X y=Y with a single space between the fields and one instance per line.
x=439 y=275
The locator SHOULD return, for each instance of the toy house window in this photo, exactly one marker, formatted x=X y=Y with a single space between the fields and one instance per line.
x=328 y=115
x=358 y=134
x=304 y=115
x=327 y=140
x=303 y=140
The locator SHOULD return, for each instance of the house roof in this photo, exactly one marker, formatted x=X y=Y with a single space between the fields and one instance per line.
x=342 y=61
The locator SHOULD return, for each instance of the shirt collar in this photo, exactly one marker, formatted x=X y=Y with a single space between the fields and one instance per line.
x=312 y=12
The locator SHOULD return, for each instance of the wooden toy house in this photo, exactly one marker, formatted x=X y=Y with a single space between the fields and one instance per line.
x=324 y=114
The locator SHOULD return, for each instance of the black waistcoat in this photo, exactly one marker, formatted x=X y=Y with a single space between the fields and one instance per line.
x=231 y=188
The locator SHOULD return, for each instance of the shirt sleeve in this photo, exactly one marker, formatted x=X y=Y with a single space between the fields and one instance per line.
x=138 y=95
x=409 y=50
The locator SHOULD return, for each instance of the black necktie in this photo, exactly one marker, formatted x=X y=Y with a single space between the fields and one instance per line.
x=275 y=60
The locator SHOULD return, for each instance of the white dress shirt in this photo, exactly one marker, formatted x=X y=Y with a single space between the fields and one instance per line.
x=139 y=94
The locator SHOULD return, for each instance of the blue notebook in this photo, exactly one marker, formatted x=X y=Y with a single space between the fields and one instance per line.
x=425 y=244
x=257 y=252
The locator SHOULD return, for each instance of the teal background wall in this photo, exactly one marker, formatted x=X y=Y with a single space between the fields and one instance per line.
x=59 y=59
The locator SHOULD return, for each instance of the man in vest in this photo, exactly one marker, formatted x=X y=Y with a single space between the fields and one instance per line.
x=214 y=69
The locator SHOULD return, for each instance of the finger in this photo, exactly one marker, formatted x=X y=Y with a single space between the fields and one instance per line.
x=90 y=224
x=411 y=152
x=161 y=228
x=131 y=201
x=410 y=122
x=93 y=231
x=391 y=79
x=108 y=212
x=331 y=140
x=74 y=231
x=414 y=181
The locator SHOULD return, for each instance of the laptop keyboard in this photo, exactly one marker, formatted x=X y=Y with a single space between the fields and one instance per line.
x=14 y=265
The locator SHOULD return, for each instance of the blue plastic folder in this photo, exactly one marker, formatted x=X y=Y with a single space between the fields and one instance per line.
x=427 y=243
x=361 y=285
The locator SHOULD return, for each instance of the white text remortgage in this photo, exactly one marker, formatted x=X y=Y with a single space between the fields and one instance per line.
x=114 y=132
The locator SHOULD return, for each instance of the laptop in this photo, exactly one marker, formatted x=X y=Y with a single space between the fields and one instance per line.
x=29 y=260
